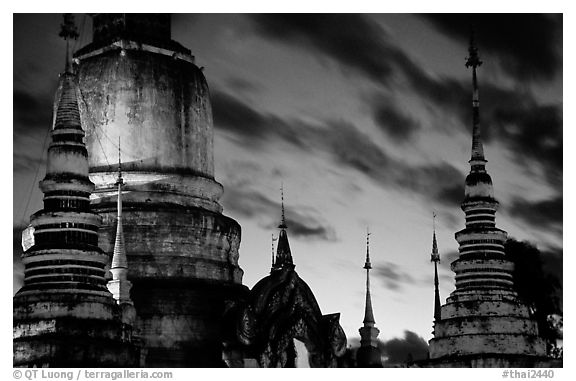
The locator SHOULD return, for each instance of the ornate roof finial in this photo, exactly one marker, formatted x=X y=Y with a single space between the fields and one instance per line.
x=68 y=31
x=367 y=265
x=283 y=253
x=473 y=61
x=283 y=221
x=435 y=256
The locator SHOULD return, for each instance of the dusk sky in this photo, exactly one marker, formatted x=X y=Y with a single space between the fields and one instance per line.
x=366 y=120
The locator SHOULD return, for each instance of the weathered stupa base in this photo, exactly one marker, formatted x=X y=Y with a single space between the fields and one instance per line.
x=70 y=330
x=183 y=269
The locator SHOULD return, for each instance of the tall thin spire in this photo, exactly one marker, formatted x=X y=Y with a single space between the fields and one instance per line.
x=368 y=312
x=119 y=286
x=283 y=253
x=368 y=355
x=435 y=257
x=119 y=257
x=473 y=61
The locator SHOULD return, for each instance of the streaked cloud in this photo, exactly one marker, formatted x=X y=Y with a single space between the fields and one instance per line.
x=533 y=131
x=302 y=223
x=393 y=276
x=544 y=214
x=346 y=145
x=353 y=40
x=393 y=121
x=528 y=46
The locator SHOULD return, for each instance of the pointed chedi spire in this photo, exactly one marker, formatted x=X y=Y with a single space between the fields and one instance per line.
x=283 y=253
x=368 y=312
x=435 y=257
x=64 y=293
x=473 y=61
x=67 y=114
x=119 y=286
x=66 y=222
x=368 y=355
x=478 y=182
x=484 y=296
x=119 y=257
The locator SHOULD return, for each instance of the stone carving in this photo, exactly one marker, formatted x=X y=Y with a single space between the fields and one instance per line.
x=281 y=308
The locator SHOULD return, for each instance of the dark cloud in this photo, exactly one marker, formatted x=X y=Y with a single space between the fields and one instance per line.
x=308 y=229
x=25 y=163
x=397 y=352
x=452 y=195
x=32 y=123
x=394 y=122
x=545 y=214
x=435 y=180
x=442 y=182
x=400 y=351
x=534 y=133
x=352 y=148
x=306 y=224
x=241 y=85
x=32 y=113
x=528 y=46
x=236 y=117
x=343 y=142
x=392 y=275
x=356 y=42
x=38 y=58
x=348 y=39
x=513 y=117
